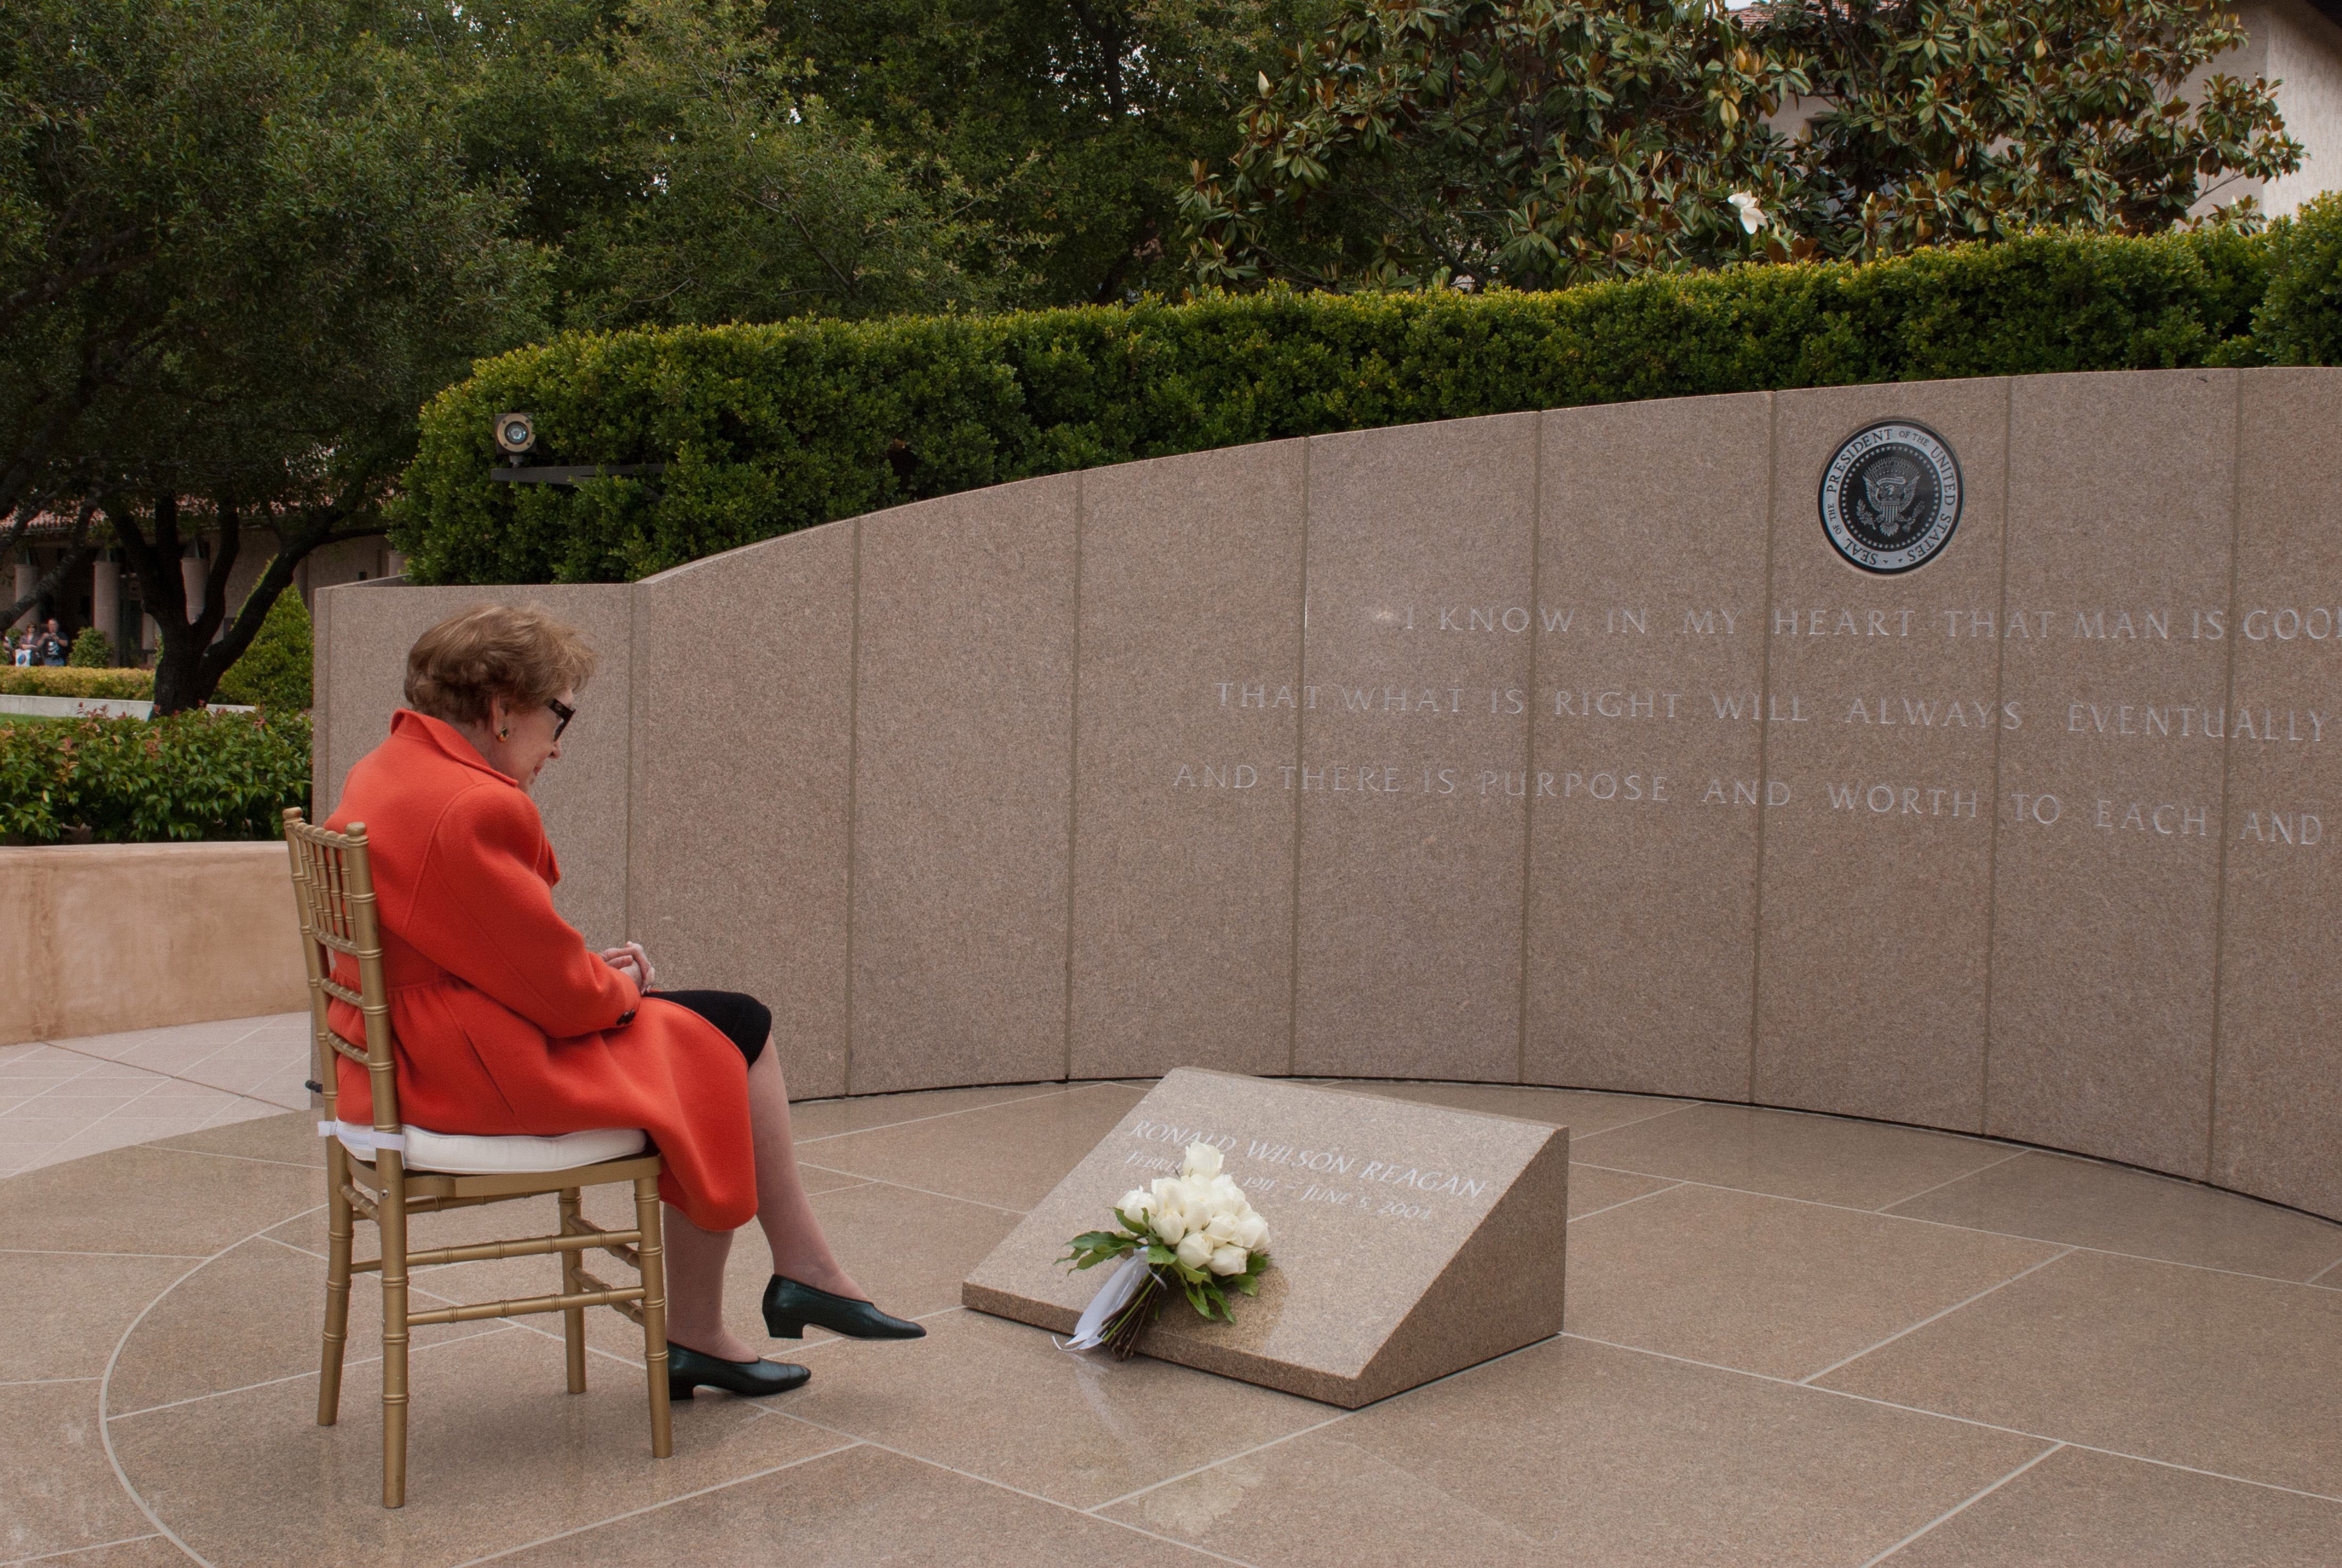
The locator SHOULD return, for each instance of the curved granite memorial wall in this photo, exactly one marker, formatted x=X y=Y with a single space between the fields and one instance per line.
x=1559 y=748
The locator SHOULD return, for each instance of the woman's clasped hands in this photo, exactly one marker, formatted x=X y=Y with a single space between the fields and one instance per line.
x=631 y=961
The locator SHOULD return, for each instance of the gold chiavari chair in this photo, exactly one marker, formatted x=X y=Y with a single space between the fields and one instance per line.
x=333 y=885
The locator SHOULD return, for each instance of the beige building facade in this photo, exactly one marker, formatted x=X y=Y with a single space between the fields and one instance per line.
x=106 y=592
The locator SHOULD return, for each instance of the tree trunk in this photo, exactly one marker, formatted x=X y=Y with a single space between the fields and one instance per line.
x=193 y=656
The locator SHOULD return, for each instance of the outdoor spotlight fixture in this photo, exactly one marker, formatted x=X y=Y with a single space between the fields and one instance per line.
x=517 y=432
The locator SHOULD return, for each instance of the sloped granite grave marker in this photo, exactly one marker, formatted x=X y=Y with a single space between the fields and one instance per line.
x=1408 y=1240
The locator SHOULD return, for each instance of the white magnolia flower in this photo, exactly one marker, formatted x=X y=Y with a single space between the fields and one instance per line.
x=1195 y=1251
x=1136 y=1201
x=1251 y=1233
x=1202 y=1162
x=1230 y=1259
x=1752 y=215
x=1223 y=1227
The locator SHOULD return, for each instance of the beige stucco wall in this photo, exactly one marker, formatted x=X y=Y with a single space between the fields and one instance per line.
x=102 y=938
x=2304 y=54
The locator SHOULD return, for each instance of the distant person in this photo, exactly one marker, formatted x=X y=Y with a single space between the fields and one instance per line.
x=22 y=647
x=508 y=1022
x=55 y=649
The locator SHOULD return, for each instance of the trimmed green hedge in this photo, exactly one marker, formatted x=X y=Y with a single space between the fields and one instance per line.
x=769 y=429
x=39 y=681
x=193 y=776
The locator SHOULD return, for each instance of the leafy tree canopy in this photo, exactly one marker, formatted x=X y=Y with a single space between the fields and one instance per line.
x=1542 y=143
x=239 y=251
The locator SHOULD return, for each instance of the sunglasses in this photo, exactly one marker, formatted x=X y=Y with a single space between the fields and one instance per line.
x=562 y=712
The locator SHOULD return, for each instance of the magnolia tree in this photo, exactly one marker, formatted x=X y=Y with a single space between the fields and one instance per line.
x=1543 y=143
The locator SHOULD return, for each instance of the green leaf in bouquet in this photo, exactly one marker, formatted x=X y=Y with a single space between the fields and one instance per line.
x=1091 y=1248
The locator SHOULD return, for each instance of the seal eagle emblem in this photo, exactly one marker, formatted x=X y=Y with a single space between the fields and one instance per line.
x=1891 y=498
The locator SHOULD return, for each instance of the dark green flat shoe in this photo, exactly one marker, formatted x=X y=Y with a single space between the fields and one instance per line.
x=789 y=1306
x=687 y=1369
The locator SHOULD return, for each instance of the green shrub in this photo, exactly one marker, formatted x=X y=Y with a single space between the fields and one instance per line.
x=193 y=776
x=274 y=672
x=769 y=429
x=2299 y=318
x=136 y=684
x=92 y=650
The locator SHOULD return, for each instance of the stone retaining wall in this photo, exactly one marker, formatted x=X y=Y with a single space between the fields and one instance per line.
x=96 y=939
x=1557 y=748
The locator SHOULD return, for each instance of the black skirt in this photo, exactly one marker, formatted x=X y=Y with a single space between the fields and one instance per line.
x=746 y=1021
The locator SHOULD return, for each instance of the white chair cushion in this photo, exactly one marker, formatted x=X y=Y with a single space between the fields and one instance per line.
x=478 y=1154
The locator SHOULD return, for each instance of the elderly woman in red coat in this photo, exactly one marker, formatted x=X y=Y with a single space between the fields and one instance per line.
x=506 y=1023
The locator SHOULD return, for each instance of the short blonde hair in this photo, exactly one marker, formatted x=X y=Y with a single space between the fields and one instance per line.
x=516 y=652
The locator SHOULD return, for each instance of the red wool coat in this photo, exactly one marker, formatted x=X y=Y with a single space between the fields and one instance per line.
x=504 y=1022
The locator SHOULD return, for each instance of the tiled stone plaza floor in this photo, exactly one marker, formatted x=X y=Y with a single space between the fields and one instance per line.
x=1790 y=1339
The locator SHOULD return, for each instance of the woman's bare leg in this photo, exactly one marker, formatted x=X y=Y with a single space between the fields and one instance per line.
x=695 y=1288
x=696 y=1258
x=799 y=1249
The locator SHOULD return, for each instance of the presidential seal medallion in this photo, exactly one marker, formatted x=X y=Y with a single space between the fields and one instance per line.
x=1891 y=498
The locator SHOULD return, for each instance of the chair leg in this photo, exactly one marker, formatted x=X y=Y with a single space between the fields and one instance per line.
x=572 y=1319
x=391 y=1208
x=651 y=1249
x=338 y=1285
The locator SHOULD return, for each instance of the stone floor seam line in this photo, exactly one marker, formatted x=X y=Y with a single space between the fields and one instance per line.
x=2321 y=1274
x=1947 y=1415
x=1575 y=1138
x=1339 y=1415
x=1914 y=1197
x=70 y=1253
x=412 y=1350
x=1621 y=1202
x=1938 y=1316
x=914 y=1121
x=94 y=1059
x=247 y=1159
x=1017 y=1491
x=661 y=1503
x=78 y=1551
x=1952 y=1225
x=105 y=1382
x=1963 y=1507
x=906 y=1186
x=44 y=1383
x=414 y=1286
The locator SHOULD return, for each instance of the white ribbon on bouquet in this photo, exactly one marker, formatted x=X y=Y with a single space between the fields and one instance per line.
x=1112 y=1297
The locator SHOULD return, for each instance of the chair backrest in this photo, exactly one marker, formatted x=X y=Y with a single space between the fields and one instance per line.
x=333 y=886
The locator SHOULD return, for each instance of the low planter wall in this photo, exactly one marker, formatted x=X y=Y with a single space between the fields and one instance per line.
x=96 y=939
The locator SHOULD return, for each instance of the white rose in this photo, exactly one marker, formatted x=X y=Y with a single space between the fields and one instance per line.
x=1222 y=1228
x=1195 y=1197
x=1202 y=1162
x=1251 y=1233
x=1136 y=1201
x=1168 y=1221
x=1195 y=1251
x=1227 y=1197
x=1229 y=1260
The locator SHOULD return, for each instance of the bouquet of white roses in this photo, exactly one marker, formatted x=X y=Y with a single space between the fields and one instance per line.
x=1196 y=1228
